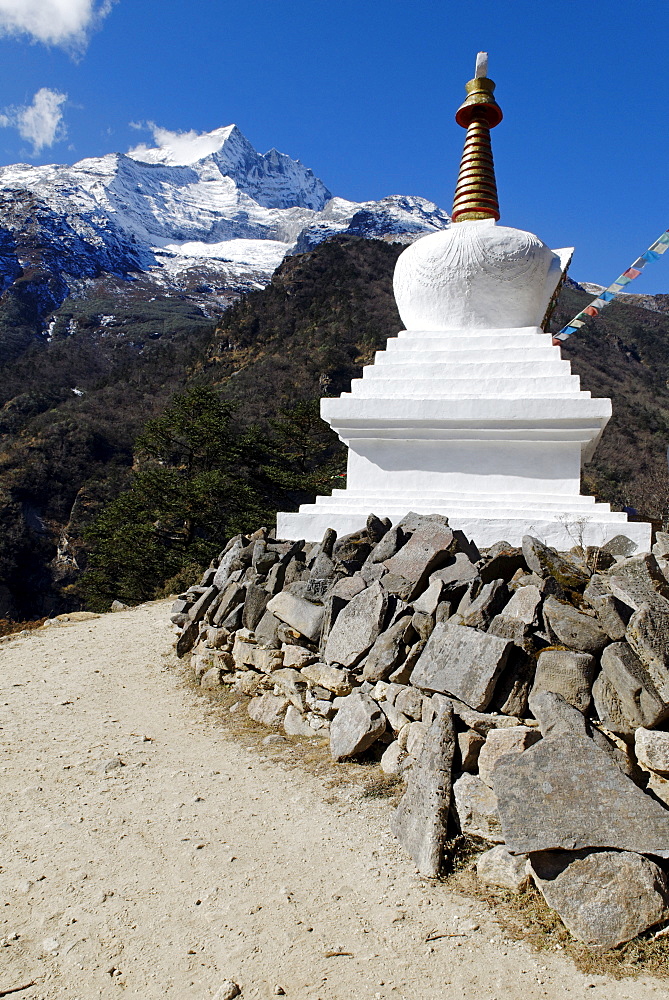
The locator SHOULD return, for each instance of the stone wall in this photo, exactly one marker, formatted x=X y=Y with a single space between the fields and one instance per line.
x=522 y=693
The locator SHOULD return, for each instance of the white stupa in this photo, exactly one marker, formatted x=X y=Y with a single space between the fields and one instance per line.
x=470 y=411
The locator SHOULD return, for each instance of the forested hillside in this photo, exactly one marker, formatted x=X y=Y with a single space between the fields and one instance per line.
x=624 y=354
x=138 y=436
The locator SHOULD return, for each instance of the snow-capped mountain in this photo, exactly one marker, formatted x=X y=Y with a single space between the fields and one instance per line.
x=201 y=212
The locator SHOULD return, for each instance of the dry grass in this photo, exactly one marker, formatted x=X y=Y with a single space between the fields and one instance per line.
x=8 y=627
x=383 y=786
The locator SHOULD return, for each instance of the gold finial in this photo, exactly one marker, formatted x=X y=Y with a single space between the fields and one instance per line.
x=476 y=190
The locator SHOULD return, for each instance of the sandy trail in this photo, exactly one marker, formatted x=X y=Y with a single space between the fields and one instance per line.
x=197 y=861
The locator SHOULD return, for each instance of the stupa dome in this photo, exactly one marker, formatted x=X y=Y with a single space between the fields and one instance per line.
x=475 y=275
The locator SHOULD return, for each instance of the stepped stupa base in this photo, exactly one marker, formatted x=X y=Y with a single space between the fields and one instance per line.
x=560 y=522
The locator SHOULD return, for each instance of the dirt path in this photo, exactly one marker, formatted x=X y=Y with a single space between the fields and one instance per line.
x=196 y=861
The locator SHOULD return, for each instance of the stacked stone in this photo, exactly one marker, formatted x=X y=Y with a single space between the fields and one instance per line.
x=522 y=693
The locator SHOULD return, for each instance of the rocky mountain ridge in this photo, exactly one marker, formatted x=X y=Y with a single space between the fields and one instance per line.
x=208 y=217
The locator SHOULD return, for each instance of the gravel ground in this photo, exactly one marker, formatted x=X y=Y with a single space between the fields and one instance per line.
x=148 y=853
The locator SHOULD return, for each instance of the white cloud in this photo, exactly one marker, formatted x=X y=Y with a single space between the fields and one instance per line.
x=40 y=123
x=54 y=22
x=178 y=148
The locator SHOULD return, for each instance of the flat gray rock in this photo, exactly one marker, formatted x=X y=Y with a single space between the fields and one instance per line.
x=422 y=624
x=396 y=718
x=567 y=673
x=267 y=628
x=188 y=638
x=322 y=568
x=276 y=578
x=388 y=546
x=515 y=682
x=233 y=595
x=426 y=550
x=291 y=685
x=455 y=576
x=410 y=702
x=469 y=746
x=603 y=897
x=486 y=606
x=229 y=557
x=519 y=632
x=428 y=601
x=638 y=581
x=392 y=759
x=652 y=750
x=352 y=550
x=386 y=653
x=263 y=558
x=648 y=634
x=268 y=709
x=332 y=606
x=639 y=701
x=499 y=743
x=566 y=793
x=524 y=605
x=413 y=522
x=300 y=614
x=574 y=629
x=608 y=707
x=611 y=614
x=348 y=587
x=358 y=723
x=421 y=818
x=357 y=627
x=201 y=606
x=501 y=868
x=339 y=682
x=254 y=605
x=620 y=545
x=556 y=716
x=477 y=808
x=370 y=572
x=545 y=561
x=295 y=724
x=462 y=662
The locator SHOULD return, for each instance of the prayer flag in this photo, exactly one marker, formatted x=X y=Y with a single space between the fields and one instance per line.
x=654 y=252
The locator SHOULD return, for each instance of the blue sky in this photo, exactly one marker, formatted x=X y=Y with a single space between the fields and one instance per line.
x=365 y=92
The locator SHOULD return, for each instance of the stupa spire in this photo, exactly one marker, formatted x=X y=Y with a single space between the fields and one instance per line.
x=476 y=190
